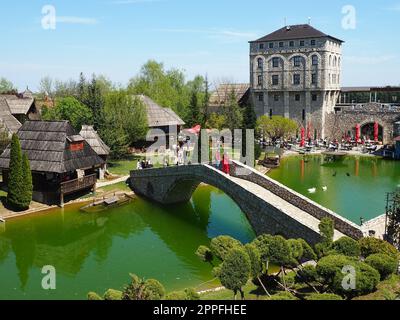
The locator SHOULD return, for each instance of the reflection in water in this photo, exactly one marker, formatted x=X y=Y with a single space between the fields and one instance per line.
x=353 y=196
x=98 y=251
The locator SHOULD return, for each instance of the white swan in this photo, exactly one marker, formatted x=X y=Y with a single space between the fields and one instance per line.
x=324 y=189
x=312 y=190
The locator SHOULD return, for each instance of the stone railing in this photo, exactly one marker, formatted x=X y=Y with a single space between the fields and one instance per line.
x=317 y=211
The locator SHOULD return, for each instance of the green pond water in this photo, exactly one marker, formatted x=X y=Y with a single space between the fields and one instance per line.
x=93 y=252
x=356 y=186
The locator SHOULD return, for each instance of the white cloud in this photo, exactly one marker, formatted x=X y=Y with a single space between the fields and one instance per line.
x=396 y=7
x=76 y=20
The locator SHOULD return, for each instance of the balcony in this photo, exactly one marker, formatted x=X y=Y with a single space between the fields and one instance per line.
x=78 y=184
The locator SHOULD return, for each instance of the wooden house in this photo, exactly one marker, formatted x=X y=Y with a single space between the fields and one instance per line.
x=62 y=162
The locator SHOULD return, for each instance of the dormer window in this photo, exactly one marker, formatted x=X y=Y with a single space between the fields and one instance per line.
x=76 y=143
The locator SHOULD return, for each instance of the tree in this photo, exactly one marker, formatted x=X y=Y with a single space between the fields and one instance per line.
x=216 y=121
x=393 y=215
x=276 y=127
x=206 y=102
x=347 y=246
x=27 y=181
x=140 y=289
x=95 y=99
x=256 y=270
x=326 y=230
x=193 y=113
x=205 y=254
x=46 y=87
x=371 y=246
x=385 y=264
x=6 y=86
x=124 y=121
x=69 y=109
x=235 y=271
x=112 y=295
x=15 y=196
x=222 y=245
x=166 y=87
x=233 y=113
x=249 y=117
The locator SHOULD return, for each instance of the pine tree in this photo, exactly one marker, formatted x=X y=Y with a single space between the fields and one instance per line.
x=82 y=95
x=249 y=117
x=15 y=178
x=206 y=101
x=27 y=181
x=233 y=113
x=193 y=115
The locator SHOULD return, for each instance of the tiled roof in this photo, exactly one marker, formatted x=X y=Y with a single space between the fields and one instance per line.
x=91 y=136
x=301 y=31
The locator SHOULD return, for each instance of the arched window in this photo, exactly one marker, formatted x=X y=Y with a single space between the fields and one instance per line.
x=334 y=61
x=260 y=63
x=297 y=61
x=330 y=60
x=315 y=60
x=339 y=62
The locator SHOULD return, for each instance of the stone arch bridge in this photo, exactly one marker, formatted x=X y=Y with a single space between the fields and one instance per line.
x=269 y=206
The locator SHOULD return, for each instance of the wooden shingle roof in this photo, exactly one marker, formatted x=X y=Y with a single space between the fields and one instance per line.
x=221 y=95
x=8 y=121
x=92 y=137
x=47 y=145
x=158 y=116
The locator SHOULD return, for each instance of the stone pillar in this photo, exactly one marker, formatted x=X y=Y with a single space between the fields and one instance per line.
x=266 y=103
x=308 y=105
x=286 y=104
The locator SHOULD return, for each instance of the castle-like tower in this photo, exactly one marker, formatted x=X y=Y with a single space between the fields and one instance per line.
x=295 y=72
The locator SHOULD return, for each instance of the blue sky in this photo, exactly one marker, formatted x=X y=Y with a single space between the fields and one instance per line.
x=115 y=37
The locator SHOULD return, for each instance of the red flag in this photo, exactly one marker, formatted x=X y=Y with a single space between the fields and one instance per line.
x=303 y=140
x=358 y=133
x=376 y=132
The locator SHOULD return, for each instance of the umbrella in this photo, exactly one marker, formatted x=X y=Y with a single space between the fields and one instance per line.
x=195 y=130
x=303 y=140
x=358 y=133
x=376 y=132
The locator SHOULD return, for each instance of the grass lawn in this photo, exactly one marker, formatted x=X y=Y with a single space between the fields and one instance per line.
x=122 y=167
x=116 y=187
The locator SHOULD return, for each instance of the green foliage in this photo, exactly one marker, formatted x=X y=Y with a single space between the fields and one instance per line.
x=276 y=127
x=69 y=109
x=124 y=122
x=140 y=289
x=255 y=260
x=233 y=113
x=330 y=269
x=249 y=117
x=216 y=121
x=194 y=113
x=187 y=294
x=323 y=297
x=282 y=296
x=15 y=197
x=296 y=249
x=347 y=246
x=235 y=270
x=27 y=185
x=205 y=254
x=112 y=294
x=257 y=151
x=308 y=252
x=274 y=250
x=326 y=229
x=166 y=87
x=307 y=274
x=386 y=265
x=370 y=246
x=6 y=86
x=222 y=245
x=93 y=296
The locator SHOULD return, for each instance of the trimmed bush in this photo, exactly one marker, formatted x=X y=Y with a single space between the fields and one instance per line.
x=347 y=246
x=371 y=246
x=205 y=254
x=27 y=181
x=235 y=271
x=282 y=296
x=153 y=290
x=307 y=274
x=222 y=245
x=323 y=297
x=15 y=196
x=112 y=294
x=93 y=296
x=385 y=264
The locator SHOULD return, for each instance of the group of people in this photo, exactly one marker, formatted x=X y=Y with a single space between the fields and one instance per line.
x=144 y=164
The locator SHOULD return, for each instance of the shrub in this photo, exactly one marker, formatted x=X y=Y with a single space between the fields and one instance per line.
x=323 y=296
x=140 y=289
x=222 y=245
x=15 y=196
x=385 y=264
x=371 y=246
x=308 y=252
x=347 y=247
x=235 y=271
x=255 y=260
x=296 y=249
x=307 y=274
x=191 y=294
x=93 y=296
x=153 y=290
x=327 y=229
x=112 y=294
x=331 y=270
x=281 y=296
x=205 y=254
x=176 y=295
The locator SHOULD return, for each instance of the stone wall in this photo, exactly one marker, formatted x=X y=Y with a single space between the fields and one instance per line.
x=346 y=120
x=341 y=224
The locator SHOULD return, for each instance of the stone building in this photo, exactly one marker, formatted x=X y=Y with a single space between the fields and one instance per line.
x=295 y=72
